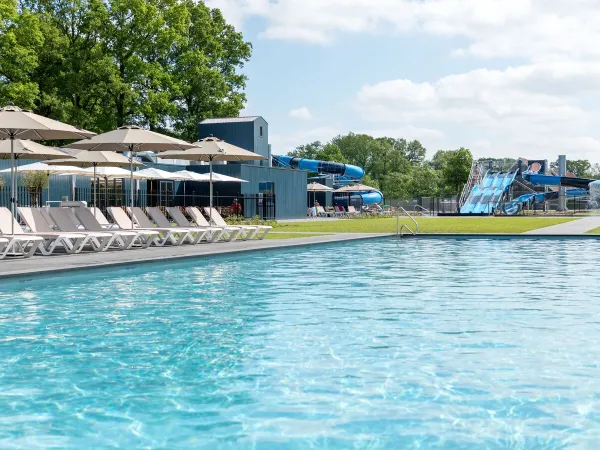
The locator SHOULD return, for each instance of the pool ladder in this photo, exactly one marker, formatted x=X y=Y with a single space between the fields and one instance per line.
x=399 y=227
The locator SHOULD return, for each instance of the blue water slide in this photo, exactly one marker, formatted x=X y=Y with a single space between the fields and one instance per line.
x=486 y=196
x=347 y=173
x=519 y=203
x=328 y=167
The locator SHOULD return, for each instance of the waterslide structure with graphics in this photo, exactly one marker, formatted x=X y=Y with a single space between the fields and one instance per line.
x=485 y=197
x=578 y=188
x=344 y=174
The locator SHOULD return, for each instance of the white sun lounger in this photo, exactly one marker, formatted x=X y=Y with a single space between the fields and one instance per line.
x=253 y=231
x=70 y=242
x=100 y=241
x=231 y=232
x=101 y=218
x=214 y=234
x=130 y=239
x=19 y=244
x=196 y=234
x=164 y=236
x=177 y=237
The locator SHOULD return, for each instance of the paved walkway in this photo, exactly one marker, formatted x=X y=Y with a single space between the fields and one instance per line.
x=44 y=265
x=575 y=227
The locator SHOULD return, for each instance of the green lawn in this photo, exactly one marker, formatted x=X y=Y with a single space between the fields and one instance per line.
x=594 y=231
x=427 y=225
x=292 y=235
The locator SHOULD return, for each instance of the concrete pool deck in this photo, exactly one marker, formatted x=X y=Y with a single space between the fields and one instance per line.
x=44 y=265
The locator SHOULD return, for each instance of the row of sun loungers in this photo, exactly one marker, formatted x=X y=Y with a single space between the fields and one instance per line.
x=335 y=211
x=78 y=229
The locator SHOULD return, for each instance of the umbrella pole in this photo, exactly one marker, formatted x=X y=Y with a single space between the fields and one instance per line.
x=211 y=189
x=95 y=205
x=12 y=183
x=131 y=182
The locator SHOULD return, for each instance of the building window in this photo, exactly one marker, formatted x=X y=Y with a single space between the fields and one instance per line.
x=260 y=132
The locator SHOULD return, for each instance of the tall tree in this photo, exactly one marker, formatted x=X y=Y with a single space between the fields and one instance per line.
x=455 y=172
x=20 y=42
x=164 y=64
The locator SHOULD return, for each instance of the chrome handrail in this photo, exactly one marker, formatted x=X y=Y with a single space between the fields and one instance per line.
x=400 y=228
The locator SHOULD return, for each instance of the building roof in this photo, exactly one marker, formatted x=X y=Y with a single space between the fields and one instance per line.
x=230 y=120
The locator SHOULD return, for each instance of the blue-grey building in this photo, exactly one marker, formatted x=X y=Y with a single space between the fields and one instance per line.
x=250 y=133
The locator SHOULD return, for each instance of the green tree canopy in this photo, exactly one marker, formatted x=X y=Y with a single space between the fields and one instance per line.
x=455 y=172
x=99 y=64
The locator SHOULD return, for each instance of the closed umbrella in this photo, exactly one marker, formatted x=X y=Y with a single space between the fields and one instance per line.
x=131 y=139
x=213 y=149
x=94 y=160
x=17 y=123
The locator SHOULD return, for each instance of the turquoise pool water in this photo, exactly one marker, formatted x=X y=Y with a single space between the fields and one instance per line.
x=454 y=344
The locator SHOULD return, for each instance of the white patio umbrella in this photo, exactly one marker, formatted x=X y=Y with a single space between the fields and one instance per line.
x=131 y=139
x=27 y=149
x=219 y=177
x=49 y=169
x=152 y=173
x=16 y=123
x=213 y=149
x=94 y=160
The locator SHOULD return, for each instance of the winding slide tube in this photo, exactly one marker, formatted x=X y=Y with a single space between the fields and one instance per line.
x=332 y=168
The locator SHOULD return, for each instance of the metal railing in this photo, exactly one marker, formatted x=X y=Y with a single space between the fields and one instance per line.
x=475 y=176
x=399 y=227
x=421 y=208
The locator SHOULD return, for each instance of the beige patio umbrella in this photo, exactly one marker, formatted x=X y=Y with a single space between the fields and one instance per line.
x=213 y=149
x=132 y=139
x=17 y=123
x=355 y=188
x=317 y=187
x=94 y=160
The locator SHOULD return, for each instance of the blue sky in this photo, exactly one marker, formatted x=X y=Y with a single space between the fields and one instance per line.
x=504 y=78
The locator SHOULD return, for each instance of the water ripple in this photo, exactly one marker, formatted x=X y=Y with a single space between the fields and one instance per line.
x=455 y=344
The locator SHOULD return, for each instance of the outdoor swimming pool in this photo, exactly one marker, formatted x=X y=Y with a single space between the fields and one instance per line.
x=460 y=344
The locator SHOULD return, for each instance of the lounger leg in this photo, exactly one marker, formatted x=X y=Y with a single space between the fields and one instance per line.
x=252 y=234
x=264 y=233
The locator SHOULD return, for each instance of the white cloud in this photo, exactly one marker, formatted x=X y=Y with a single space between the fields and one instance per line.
x=512 y=112
x=302 y=113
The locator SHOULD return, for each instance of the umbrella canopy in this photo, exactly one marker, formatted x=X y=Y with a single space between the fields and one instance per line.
x=111 y=173
x=131 y=139
x=190 y=176
x=96 y=159
x=49 y=169
x=17 y=123
x=355 y=188
x=26 y=149
x=219 y=177
x=83 y=158
x=152 y=173
x=213 y=149
x=318 y=187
